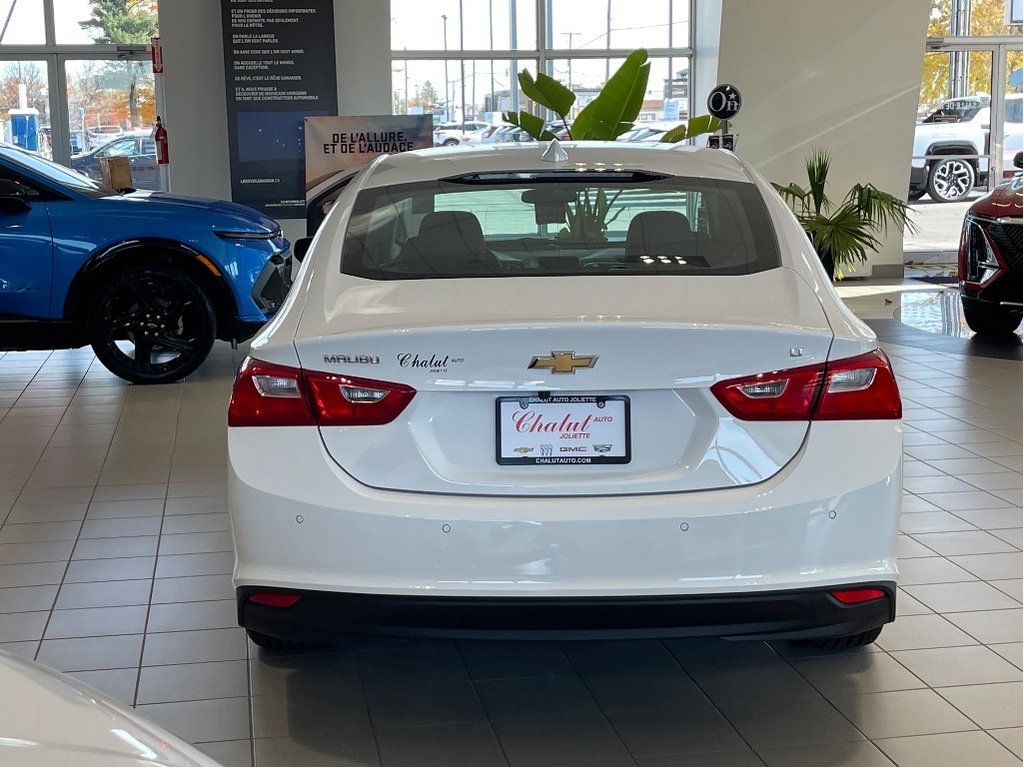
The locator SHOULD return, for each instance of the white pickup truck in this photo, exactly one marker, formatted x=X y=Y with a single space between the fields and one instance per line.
x=951 y=147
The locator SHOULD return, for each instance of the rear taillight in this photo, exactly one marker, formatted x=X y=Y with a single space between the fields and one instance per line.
x=861 y=387
x=344 y=401
x=271 y=395
x=268 y=395
x=788 y=395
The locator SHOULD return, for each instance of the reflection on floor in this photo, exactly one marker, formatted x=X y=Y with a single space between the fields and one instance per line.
x=115 y=560
x=937 y=311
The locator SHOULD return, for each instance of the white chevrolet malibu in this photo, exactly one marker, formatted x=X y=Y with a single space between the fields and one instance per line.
x=610 y=394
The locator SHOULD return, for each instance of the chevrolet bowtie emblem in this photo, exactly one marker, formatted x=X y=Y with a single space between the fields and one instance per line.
x=563 y=362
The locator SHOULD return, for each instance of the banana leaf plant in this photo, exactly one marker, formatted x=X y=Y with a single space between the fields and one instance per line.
x=843 y=233
x=587 y=221
x=609 y=115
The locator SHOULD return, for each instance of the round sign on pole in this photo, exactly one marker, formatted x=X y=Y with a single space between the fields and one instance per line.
x=724 y=101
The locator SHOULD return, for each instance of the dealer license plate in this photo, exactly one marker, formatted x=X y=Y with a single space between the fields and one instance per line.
x=563 y=429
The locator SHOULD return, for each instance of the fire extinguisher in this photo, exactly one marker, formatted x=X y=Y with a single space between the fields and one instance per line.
x=160 y=134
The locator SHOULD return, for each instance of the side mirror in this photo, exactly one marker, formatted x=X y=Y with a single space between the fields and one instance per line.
x=12 y=197
x=300 y=248
x=1018 y=160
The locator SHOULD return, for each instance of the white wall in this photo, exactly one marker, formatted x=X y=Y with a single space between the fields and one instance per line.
x=195 y=95
x=843 y=76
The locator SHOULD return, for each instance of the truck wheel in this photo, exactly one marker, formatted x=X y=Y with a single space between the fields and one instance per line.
x=988 y=319
x=451 y=143
x=151 y=324
x=950 y=179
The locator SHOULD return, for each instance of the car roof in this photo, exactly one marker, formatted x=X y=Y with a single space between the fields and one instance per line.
x=443 y=162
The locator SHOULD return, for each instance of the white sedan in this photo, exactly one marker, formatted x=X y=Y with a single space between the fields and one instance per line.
x=613 y=394
x=48 y=718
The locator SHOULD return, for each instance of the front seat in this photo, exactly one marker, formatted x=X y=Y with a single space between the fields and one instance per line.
x=654 y=234
x=448 y=243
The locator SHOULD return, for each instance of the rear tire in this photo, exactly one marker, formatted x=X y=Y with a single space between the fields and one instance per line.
x=451 y=143
x=951 y=179
x=844 y=641
x=988 y=319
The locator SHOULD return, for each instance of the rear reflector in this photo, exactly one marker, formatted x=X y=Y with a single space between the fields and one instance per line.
x=861 y=387
x=271 y=395
x=853 y=596
x=274 y=599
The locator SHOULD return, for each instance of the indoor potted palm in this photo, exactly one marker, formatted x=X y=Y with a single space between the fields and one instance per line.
x=843 y=233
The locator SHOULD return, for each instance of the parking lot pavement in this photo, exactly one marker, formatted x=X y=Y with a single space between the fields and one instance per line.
x=938 y=226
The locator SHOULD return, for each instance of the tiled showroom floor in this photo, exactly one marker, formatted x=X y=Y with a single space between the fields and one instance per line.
x=115 y=557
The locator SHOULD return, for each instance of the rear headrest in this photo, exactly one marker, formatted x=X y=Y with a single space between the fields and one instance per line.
x=659 y=233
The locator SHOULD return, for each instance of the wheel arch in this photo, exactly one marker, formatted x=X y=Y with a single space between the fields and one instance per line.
x=953 y=148
x=152 y=250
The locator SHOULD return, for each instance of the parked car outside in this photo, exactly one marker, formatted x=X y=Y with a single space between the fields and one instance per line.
x=149 y=279
x=450 y=134
x=951 y=147
x=100 y=134
x=990 y=274
x=648 y=132
x=48 y=718
x=501 y=134
x=479 y=136
x=139 y=148
x=487 y=421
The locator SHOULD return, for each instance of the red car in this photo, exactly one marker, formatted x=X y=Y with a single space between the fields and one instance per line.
x=990 y=260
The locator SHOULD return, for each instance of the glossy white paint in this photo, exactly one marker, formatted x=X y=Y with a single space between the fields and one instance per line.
x=774 y=535
x=714 y=504
x=47 y=718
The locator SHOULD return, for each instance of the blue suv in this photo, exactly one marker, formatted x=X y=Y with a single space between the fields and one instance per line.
x=149 y=279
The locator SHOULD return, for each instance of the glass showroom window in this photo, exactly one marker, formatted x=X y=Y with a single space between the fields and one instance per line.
x=618 y=24
x=459 y=59
x=80 y=74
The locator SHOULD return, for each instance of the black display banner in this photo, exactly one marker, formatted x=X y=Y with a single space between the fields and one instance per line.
x=280 y=69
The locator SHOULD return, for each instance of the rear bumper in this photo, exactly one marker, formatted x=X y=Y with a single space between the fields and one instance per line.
x=809 y=613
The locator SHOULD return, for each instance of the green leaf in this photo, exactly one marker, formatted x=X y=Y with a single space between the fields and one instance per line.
x=695 y=126
x=818 y=165
x=532 y=124
x=794 y=195
x=702 y=124
x=547 y=92
x=618 y=103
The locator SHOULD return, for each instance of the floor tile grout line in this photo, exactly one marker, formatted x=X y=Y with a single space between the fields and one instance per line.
x=480 y=701
x=369 y=712
x=156 y=565
x=251 y=701
x=71 y=555
x=714 y=703
x=590 y=692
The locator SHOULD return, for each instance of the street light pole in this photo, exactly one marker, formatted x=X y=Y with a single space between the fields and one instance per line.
x=570 y=35
x=490 y=19
x=447 y=104
x=462 y=68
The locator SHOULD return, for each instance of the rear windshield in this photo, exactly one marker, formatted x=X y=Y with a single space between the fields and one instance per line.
x=519 y=224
